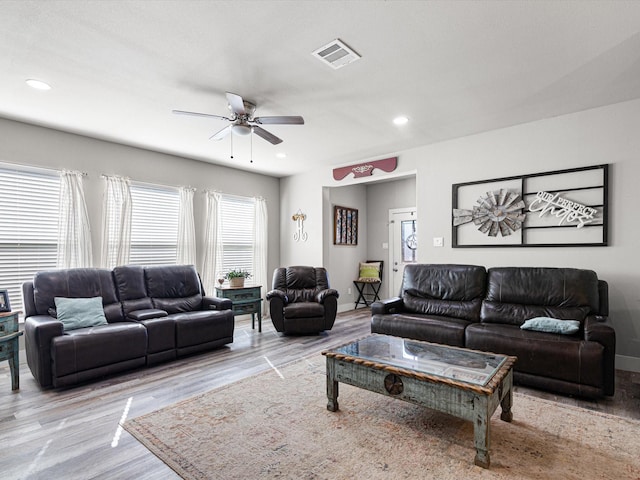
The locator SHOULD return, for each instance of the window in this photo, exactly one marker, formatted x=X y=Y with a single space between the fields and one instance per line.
x=28 y=226
x=154 y=224
x=237 y=219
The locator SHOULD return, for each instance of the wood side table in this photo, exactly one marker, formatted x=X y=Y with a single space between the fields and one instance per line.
x=9 y=346
x=245 y=300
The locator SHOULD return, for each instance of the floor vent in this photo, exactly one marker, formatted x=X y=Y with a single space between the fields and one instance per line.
x=336 y=54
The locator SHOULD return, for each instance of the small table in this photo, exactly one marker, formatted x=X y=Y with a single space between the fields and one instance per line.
x=245 y=300
x=367 y=297
x=465 y=383
x=9 y=346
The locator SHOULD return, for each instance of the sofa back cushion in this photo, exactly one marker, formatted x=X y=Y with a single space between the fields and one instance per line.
x=516 y=294
x=76 y=283
x=174 y=288
x=300 y=283
x=132 y=289
x=444 y=290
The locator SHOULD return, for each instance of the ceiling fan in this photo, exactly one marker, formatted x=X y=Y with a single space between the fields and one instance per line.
x=243 y=122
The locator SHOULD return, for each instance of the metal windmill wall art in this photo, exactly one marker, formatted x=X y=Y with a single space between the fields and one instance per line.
x=496 y=212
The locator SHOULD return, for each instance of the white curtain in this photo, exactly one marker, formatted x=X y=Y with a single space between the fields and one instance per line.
x=74 y=231
x=212 y=258
x=186 y=254
x=260 y=247
x=116 y=222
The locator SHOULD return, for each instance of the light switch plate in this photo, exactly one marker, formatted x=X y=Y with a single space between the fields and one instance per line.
x=438 y=241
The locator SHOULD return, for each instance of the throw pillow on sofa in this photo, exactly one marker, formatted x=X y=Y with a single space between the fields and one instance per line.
x=551 y=325
x=77 y=313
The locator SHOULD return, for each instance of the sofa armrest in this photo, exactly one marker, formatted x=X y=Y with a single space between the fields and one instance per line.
x=278 y=294
x=324 y=294
x=277 y=302
x=216 y=303
x=390 y=305
x=39 y=331
x=146 y=314
x=598 y=329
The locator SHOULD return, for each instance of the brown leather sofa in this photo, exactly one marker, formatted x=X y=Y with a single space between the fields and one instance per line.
x=301 y=301
x=154 y=314
x=468 y=306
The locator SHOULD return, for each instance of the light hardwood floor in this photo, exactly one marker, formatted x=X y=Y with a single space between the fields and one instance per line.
x=73 y=433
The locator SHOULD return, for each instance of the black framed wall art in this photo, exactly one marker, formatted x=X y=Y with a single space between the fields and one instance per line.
x=549 y=209
x=345 y=226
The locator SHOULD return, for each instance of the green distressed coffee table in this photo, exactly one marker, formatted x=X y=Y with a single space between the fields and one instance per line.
x=465 y=383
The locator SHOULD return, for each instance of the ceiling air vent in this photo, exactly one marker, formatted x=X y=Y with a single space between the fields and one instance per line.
x=336 y=54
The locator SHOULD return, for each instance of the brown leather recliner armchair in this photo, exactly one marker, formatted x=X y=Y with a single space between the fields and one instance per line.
x=301 y=301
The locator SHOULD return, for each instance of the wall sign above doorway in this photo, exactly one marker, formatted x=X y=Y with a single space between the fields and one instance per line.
x=366 y=169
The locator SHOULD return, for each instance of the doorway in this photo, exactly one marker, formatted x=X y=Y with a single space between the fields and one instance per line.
x=403 y=244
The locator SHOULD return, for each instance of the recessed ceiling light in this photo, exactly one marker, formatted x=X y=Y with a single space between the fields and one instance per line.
x=38 y=84
x=400 y=120
x=281 y=155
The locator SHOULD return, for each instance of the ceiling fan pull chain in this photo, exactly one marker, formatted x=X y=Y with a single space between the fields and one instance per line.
x=251 y=154
x=231 y=137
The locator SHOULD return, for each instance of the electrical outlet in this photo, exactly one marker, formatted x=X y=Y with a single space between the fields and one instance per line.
x=438 y=241
x=348 y=291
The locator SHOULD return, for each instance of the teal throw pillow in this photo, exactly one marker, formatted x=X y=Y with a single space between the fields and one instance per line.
x=551 y=325
x=77 y=313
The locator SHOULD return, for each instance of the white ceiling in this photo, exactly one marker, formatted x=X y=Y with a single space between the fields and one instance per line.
x=118 y=68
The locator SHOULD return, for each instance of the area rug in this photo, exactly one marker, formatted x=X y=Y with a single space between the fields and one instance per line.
x=276 y=425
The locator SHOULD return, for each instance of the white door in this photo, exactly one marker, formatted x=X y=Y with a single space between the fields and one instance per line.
x=403 y=245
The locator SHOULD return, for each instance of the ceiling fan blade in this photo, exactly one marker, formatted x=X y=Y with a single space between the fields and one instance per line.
x=220 y=134
x=282 y=120
x=236 y=103
x=269 y=137
x=197 y=114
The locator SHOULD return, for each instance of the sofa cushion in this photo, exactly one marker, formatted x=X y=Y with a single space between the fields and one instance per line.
x=77 y=283
x=77 y=313
x=551 y=325
x=89 y=348
x=563 y=357
x=429 y=328
x=174 y=288
x=304 y=310
x=515 y=294
x=200 y=327
x=444 y=290
x=132 y=290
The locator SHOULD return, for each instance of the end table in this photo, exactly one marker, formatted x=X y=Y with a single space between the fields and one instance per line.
x=9 y=346
x=245 y=300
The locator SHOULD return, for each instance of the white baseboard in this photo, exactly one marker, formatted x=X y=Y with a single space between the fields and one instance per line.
x=631 y=364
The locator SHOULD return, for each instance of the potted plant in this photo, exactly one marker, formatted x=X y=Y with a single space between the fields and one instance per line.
x=236 y=277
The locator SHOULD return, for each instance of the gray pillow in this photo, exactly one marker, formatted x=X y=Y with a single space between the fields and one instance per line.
x=77 y=313
x=551 y=325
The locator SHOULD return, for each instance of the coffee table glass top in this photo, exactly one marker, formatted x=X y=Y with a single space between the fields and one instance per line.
x=452 y=363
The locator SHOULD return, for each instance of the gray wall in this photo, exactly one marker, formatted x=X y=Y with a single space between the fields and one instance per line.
x=42 y=147
x=602 y=135
x=380 y=198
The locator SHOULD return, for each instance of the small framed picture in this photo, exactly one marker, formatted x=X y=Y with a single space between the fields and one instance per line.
x=4 y=301
x=345 y=226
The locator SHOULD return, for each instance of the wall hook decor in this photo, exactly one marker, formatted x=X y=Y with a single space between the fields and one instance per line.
x=300 y=234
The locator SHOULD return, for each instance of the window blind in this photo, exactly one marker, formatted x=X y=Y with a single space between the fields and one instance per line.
x=154 y=224
x=237 y=217
x=29 y=209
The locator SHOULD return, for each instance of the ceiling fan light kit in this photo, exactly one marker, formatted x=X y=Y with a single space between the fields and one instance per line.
x=241 y=129
x=243 y=122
